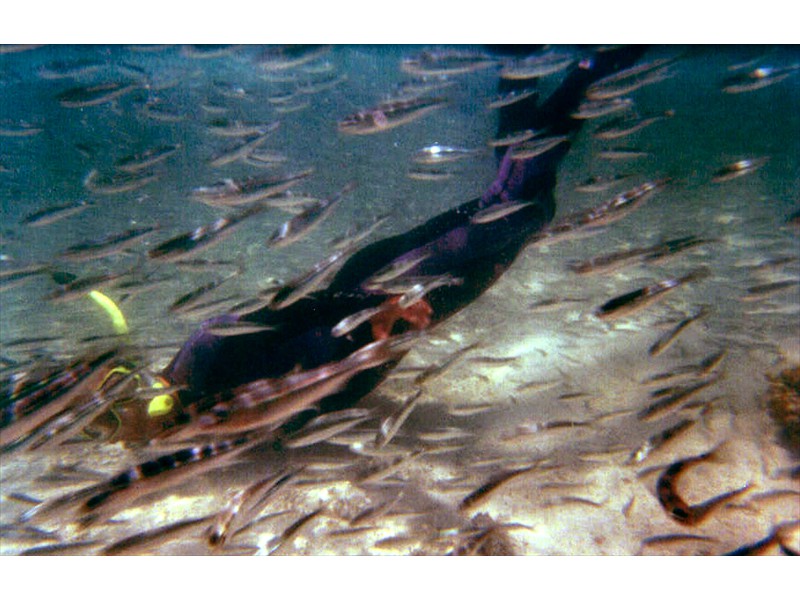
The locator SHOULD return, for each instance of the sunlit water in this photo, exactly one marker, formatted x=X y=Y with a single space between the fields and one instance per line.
x=585 y=495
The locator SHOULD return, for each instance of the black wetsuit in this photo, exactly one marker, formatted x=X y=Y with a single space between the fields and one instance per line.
x=476 y=254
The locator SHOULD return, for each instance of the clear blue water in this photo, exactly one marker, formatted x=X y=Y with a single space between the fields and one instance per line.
x=748 y=218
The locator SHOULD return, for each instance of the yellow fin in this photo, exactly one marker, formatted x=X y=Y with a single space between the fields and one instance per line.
x=160 y=405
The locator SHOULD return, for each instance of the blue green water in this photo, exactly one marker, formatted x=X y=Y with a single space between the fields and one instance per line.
x=747 y=217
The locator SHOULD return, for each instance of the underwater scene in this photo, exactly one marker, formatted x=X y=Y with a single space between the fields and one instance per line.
x=399 y=300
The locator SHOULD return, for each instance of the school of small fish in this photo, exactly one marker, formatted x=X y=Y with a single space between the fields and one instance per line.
x=607 y=396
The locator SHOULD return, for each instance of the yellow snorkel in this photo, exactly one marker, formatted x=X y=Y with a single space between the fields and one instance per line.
x=112 y=310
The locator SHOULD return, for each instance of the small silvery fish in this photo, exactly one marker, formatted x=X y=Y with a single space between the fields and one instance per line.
x=757 y=79
x=102 y=93
x=282 y=57
x=738 y=168
x=186 y=244
x=99 y=502
x=238 y=515
x=301 y=225
x=29 y=410
x=309 y=281
x=498 y=211
x=656 y=441
x=107 y=246
x=353 y=321
x=419 y=290
x=510 y=98
x=394 y=269
x=433 y=63
x=191 y=300
x=622 y=153
x=633 y=301
x=162 y=111
x=19 y=131
x=592 y=109
x=429 y=174
x=117 y=184
x=600 y=184
x=52 y=214
x=760 y=292
x=669 y=338
x=237 y=328
x=69 y=69
x=228 y=128
x=78 y=287
x=149 y=158
x=536 y=147
x=389 y=115
x=239 y=151
x=624 y=126
x=671 y=397
x=153 y=539
x=515 y=137
x=629 y=80
x=316 y=431
x=391 y=424
x=252 y=189
x=475 y=499
x=537 y=66
x=437 y=154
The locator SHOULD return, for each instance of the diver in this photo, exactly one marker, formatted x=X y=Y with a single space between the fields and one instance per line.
x=457 y=255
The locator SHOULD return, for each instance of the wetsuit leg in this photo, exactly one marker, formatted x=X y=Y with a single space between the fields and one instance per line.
x=449 y=244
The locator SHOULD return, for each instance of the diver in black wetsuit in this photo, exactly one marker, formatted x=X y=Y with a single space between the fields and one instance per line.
x=472 y=254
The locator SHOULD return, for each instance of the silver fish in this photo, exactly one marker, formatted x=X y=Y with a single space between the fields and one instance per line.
x=757 y=79
x=419 y=290
x=389 y=115
x=629 y=80
x=438 y=154
x=310 y=281
x=537 y=66
x=228 y=128
x=299 y=226
x=102 y=93
x=192 y=299
x=239 y=151
x=353 y=321
x=153 y=539
x=656 y=441
x=669 y=338
x=622 y=153
x=186 y=244
x=101 y=501
x=671 y=397
x=638 y=299
x=391 y=424
x=592 y=109
x=624 y=126
x=738 y=168
x=149 y=158
x=253 y=189
x=393 y=270
x=117 y=184
x=106 y=246
x=536 y=147
x=52 y=214
x=444 y=63
x=317 y=431
x=510 y=98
